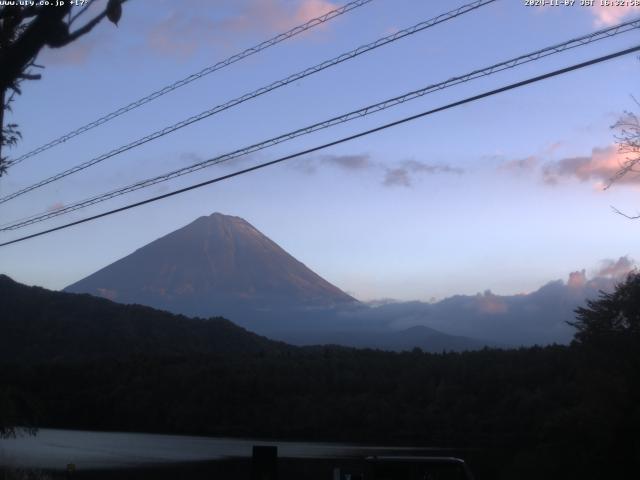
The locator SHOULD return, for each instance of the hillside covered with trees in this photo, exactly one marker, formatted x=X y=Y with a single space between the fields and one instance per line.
x=41 y=325
x=542 y=412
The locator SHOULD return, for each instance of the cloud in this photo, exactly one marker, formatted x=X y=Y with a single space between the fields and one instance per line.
x=490 y=304
x=523 y=319
x=355 y=162
x=618 y=269
x=193 y=25
x=395 y=174
x=175 y=36
x=604 y=277
x=55 y=207
x=277 y=15
x=577 y=279
x=599 y=167
x=349 y=162
x=403 y=175
x=76 y=53
x=397 y=177
x=612 y=14
x=539 y=317
x=311 y=9
x=521 y=165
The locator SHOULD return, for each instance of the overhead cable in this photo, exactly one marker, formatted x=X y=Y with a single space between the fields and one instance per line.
x=370 y=109
x=335 y=142
x=256 y=93
x=191 y=78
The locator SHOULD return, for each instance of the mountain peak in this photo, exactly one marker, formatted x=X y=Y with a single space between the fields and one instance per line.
x=217 y=216
x=214 y=263
x=222 y=215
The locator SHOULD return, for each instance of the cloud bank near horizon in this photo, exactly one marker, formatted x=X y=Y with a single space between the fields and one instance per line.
x=538 y=317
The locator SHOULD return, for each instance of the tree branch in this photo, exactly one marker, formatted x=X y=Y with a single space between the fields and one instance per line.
x=30 y=76
x=82 y=10
x=630 y=217
x=83 y=30
x=70 y=37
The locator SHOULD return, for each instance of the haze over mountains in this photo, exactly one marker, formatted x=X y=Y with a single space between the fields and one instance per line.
x=222 y=266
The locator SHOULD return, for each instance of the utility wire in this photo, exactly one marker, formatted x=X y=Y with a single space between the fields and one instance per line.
x=196 y=76
x=337 y=142
x=511 y=63
x=256 y=93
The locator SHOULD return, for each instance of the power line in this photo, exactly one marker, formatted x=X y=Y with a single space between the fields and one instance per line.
x=511 y=63
x=256 y=93
x=196 y=76
x=337 y=142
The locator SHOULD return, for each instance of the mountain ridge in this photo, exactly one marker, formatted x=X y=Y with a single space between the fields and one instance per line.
x=39 y=324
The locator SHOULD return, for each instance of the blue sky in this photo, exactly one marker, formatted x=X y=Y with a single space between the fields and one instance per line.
x=502 y=194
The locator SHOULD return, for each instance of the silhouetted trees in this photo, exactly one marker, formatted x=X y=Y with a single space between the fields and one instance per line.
x=614 y=317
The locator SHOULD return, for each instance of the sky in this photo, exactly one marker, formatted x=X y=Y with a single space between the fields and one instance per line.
x=503 y=194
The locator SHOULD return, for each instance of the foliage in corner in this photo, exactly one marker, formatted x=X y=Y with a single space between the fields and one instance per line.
x=25 y=29
x=613 y=316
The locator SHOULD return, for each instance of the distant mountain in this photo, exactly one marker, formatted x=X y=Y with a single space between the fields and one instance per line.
x=220 y=265
x=216 y=265
x=42 y=325
x=38 y=324
x=425 y=338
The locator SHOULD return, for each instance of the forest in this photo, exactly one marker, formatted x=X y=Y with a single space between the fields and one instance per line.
x=542 y=412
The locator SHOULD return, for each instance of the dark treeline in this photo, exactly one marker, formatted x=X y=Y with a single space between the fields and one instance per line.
x=538 y=412
x=552 y=412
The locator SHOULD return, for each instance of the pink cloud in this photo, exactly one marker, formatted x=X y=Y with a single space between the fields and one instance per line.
x=276 y=15
x=616 y=269
x=56 y=206
x=185 y=30
x=76 y=53
x=311 y=9
x=577 y=279
x=604 y=277
x=490 y=303
x=599 y=167
x=178 y=34
x=610 y=15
